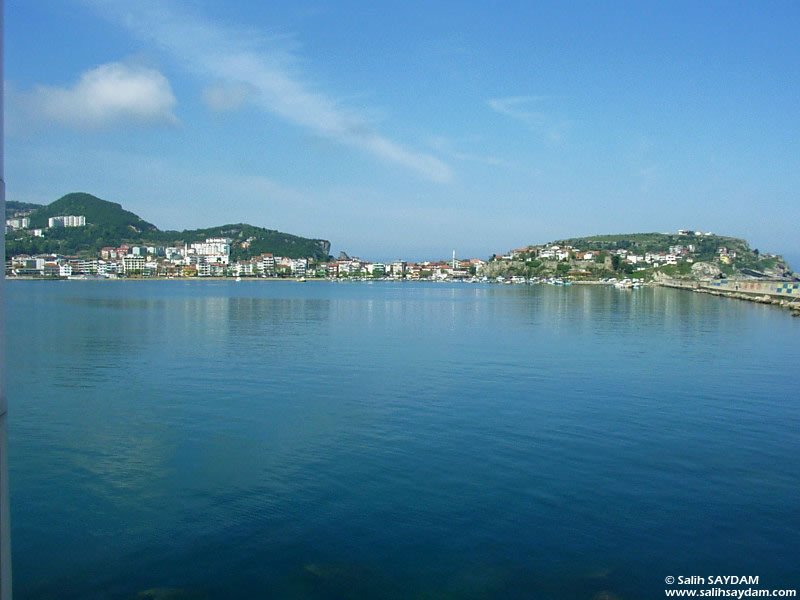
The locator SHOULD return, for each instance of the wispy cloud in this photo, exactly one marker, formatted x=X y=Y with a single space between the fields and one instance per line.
x=227 y=97
x=111 y=94
x=270 y=69
x=522 y=108
x=648 y=178
x=448 y=147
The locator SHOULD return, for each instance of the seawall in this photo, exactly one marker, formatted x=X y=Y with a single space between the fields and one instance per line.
x=778 y=292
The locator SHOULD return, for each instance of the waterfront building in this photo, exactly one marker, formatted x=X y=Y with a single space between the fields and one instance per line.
x=108 y=267
x=266 y=264
x=132 y=263
x=399 y=269
x=243 y=268
x=299 y=266
x=375 y=269
x=86 y=266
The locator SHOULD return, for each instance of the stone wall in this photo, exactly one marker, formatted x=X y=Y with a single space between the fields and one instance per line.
x=790 y=290
x=785 y=294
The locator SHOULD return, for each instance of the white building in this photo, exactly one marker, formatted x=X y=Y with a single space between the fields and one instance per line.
x=399 y=268
x=108 y=267
x=213 y=246
x=19 y=223
x=132 y=263
x=379 y=267
x=173 y=254
x=266 y=264
x=84 y=265
x=299 y=266
x=243 y=267
x=67 y=221
x=27 y=265
x=215 y=250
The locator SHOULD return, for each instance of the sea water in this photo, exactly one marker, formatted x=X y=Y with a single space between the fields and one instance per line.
x=215 y=439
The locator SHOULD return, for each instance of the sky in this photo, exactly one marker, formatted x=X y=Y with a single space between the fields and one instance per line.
x=406 y=130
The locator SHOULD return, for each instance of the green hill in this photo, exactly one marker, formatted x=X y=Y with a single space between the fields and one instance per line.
x=249 y=240
x=706 y=245
x=101 y=213
x=699 y=255
x=741 y=258
x=13 y=206
x=108 y=224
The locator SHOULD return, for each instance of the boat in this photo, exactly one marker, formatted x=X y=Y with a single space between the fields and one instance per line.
x=628 y=284
x=86 y=277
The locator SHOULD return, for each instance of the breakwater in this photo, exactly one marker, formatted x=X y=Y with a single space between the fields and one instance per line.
x=778 y=292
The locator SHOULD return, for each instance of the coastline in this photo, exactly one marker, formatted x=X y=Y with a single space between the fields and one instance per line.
x=791 y=304
x=156 y=278
x=780 y=300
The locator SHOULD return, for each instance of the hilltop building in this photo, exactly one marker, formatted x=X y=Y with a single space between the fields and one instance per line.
x=18 y=223
x=67 y=221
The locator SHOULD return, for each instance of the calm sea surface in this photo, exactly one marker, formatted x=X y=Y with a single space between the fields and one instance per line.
x=429 y=441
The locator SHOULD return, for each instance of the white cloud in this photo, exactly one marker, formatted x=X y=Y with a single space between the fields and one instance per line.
x=227 y=97
x=447 y=147
x=518 y=108
x=107 y=95
x=240 y=58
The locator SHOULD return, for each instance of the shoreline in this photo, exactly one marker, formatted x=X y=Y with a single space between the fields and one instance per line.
x=184 y=279
x=783 y=301
x=791 y=304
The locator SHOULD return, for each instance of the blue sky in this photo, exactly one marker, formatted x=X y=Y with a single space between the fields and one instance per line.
x=404 y=130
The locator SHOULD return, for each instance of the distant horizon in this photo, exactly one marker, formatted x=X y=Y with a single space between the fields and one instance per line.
x=792 y=260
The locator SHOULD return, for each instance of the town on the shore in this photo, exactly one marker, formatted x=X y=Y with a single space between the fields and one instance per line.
x=212 y=258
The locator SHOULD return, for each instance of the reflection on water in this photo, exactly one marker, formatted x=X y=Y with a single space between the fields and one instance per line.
x=252 y=439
